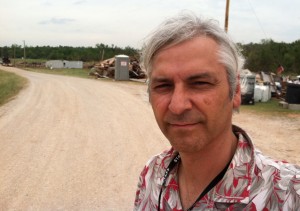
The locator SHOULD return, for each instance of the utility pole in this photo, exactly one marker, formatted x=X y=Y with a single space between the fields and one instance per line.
x=227 y=15
x=102 y=55
x=14 y=54
x=24 y=50
x=24 y=53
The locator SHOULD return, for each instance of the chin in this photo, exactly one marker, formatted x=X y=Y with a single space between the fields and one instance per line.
x=185 y=144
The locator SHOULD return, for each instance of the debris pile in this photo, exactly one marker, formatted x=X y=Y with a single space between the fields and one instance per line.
x=247 y=80
x=6 y=61
x=260 y=87
x=106 y=69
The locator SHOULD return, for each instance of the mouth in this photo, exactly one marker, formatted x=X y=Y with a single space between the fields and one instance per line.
x=183 y=124
x=185 y=121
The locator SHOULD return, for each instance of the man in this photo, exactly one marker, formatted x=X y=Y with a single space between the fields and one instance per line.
x=193 y=70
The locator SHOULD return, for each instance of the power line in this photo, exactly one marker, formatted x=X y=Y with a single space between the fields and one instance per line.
x=261 y=26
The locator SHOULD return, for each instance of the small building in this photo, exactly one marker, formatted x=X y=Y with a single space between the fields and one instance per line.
x=59 y=64
x=121 y=67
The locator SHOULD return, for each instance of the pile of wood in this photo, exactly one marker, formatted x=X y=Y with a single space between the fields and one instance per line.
x=106 y=69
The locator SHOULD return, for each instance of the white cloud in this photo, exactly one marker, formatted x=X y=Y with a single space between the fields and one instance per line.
x=123 y=23
x=57 y=21
x=79 y=2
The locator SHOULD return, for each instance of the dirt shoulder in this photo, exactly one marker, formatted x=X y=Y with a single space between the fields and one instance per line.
x=278 y=137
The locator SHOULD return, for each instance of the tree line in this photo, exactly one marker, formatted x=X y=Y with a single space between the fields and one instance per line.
x=268 y=55
x=264 y=56
x=85 y=54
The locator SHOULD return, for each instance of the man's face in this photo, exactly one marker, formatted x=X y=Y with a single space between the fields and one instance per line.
x=189 y=94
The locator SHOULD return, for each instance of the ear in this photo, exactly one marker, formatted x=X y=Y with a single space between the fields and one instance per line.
x=237 y=99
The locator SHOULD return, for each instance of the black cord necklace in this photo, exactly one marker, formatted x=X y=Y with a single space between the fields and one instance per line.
x=172 y=164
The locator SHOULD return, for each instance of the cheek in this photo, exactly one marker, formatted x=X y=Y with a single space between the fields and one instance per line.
x=159 y=109
x=215 y=100
x=159 y=105
x=207 y=101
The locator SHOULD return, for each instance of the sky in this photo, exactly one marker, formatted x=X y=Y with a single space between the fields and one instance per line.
x=127 y=22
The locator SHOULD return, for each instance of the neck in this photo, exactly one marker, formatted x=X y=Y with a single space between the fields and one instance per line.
x=198 y=169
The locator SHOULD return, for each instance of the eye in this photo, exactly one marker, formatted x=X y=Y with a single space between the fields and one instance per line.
x=162 y=87
x=200 y=83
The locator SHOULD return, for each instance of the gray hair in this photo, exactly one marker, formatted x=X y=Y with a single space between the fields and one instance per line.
x=187 y=26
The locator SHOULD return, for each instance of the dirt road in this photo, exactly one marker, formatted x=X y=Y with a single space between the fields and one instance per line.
x=78 y=144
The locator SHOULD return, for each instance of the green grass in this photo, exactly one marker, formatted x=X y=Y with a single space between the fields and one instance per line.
x=82 y=73
x=18 y=60
x=271 y=107
x=10 y=85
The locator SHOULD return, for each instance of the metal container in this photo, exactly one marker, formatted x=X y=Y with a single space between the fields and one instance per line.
x=292 y=93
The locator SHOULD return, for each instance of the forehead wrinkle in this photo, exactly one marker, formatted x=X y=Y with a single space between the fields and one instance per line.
x=200 y=75
x=204 y=75
x=196 y=76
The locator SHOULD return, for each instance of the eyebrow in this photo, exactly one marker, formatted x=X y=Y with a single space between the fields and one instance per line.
x=204 y=75
x=160 y=80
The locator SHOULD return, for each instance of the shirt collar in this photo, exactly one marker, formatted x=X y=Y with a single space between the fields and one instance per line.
x=236 y=183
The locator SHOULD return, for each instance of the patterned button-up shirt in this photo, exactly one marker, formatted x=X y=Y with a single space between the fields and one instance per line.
x=251 y=182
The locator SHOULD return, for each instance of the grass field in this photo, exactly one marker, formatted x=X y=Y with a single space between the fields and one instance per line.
x=271 y=107
x=10 y=85
x=82 y=73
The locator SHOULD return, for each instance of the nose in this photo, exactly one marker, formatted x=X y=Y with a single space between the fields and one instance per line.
x=180 y=101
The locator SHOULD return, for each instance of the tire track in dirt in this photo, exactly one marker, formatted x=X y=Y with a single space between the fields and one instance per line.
x=70 y=143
